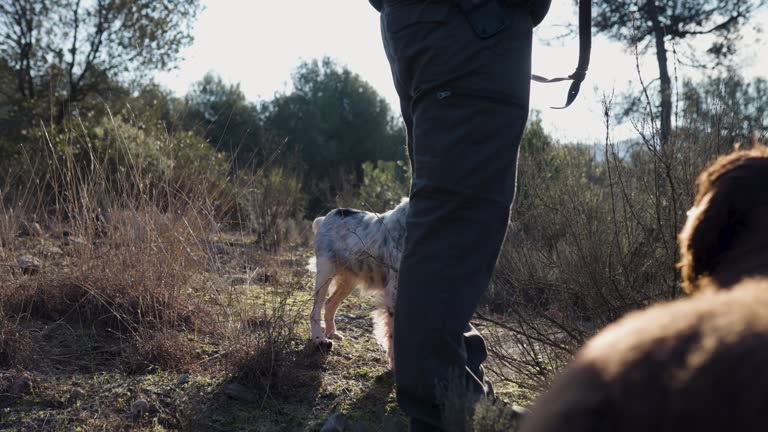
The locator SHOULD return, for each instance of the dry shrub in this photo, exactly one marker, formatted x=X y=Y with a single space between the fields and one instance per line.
x=135 y=241
x=18 y=347
x=592 y=236
x=266 y=344
x=165 y=349
x=140 y=276
x=9 y=225
x=270 y=201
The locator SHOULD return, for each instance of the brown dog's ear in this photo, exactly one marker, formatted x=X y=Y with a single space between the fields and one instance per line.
x=704 y=238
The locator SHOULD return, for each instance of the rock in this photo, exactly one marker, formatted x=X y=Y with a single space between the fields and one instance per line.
x=337 y=422
x=29 y=265
x=31 y=230
x=76 y=394
x=183 y=379
x=240 y=392
x=139 y=407
x=53 y=250
x=72 y=240
x=21 y=385
x=35 y=230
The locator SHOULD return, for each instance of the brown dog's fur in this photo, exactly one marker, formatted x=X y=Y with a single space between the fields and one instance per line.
x=693 y=364
x=726 y=236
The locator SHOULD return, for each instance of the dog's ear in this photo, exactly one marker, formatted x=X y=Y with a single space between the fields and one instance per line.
x=704 y=238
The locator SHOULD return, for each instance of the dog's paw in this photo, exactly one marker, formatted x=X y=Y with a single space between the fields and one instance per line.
x=322 y=343
x=336 y=336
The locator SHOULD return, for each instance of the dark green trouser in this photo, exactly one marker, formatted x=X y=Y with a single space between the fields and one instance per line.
x=464 y=101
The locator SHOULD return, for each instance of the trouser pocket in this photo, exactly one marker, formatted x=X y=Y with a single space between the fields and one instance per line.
x=467 y=141
x=488 y=19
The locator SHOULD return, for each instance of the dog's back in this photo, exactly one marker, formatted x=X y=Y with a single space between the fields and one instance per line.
x=695 y=364
x=360 y=242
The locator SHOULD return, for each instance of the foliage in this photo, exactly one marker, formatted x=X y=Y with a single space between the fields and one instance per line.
x=593 y=236
x=75 y=52
x=336 y=121
x=270 y=199
x=663 y=22
x=385 y=183
x=222 y=115
x=631 y=21
x=728 y=105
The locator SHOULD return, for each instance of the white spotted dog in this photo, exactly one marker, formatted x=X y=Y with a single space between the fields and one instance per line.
x=356 y=248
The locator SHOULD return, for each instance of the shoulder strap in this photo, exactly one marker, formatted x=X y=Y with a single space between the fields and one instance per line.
x=585 y=47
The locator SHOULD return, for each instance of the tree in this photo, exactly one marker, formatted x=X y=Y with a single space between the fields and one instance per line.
x=69 y=50
x=727 y=106
x=224 y=117
x=661 y=22
x=336 y=121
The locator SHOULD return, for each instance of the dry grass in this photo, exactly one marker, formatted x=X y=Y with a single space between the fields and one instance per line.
x=264 y=348
x=125 y=252
x=124 y=285
x=167 y=350
x=19 y=347
x=139 y=284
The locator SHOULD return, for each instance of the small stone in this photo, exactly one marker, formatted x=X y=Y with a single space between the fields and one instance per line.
x=29 y=265
x=35 y=230
x=76 y=394
x=72 y=240
x=53 y=250
x=240 y=392
x=138 y=407
x=31 y=230
x=337 y=422
x=183 y=379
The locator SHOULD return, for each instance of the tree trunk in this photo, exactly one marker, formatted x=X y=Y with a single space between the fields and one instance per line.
x=666 y=83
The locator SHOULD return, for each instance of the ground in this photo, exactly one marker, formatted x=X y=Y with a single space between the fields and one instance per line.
x=80 y=381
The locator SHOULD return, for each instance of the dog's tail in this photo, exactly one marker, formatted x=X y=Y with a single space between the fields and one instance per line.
x=312 y=265
x=316 y=224
x=382 y=329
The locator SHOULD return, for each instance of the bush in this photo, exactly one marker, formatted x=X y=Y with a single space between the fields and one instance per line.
x=591 y=237
x=134 y=229
x=140 y=276
x=262 y=350
x=385 y=183
x=271 y=201
x=18 y=347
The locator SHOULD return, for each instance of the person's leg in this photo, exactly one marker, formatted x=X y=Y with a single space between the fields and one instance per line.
x=403 y=94
x=469 y=104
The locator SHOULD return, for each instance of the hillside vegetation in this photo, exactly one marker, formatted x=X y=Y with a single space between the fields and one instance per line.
x=153 y=247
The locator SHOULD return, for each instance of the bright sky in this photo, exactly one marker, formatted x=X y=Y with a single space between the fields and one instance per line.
x=258 y=43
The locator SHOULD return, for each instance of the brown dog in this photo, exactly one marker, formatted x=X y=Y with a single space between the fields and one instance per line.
x=694 y=364
x=726 y=236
